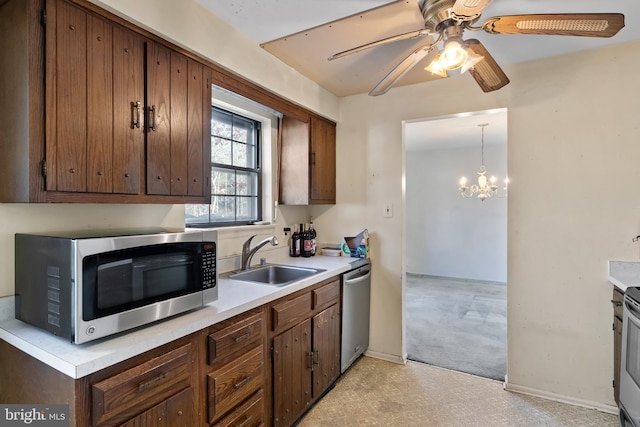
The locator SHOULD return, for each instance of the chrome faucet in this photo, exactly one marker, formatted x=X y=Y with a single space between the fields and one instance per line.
x=248 y=253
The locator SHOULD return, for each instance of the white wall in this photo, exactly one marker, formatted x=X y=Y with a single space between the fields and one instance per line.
x=573 y=151
x=448 y=235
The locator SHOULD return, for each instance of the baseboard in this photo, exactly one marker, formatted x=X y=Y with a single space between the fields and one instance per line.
x=388 y=357
x=456 y=279
x=610 y=409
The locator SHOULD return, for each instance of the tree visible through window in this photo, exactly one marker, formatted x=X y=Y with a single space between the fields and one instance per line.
x=235 y=173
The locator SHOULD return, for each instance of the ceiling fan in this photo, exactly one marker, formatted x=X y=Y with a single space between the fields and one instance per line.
x=446 y=20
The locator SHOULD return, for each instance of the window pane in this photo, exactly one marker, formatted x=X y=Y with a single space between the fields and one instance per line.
x=221 y=151
x=244 y=155
x=223 y=181
x=196 y=214
x=223 y=209
x=221 y=123
x=242 y=130
x=246 y=183
x=247 y=208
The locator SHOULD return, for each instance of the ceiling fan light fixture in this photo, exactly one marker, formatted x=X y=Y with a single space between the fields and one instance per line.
x=454 y=55
x=435 y=67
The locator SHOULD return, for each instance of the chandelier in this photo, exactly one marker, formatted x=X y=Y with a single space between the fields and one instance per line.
x=485 y=188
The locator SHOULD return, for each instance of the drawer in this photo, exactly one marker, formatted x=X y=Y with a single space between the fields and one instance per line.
x=617 y=301
x=249 y=414
x=326 y=295
x=234 y=382
x=290 y=312
x=137 y=389
x=236 y=338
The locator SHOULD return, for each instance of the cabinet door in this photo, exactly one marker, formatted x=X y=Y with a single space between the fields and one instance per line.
x=294 y=162
x=177 y=411
x=176 y=94
x=158 y=119
x=292 y=362
x=128 y=111
x=66 y=94
x=198 y=129
x=323 y=161
x=94 y=96
x=326 y=349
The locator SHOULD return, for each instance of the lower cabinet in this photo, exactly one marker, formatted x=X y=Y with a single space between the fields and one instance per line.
x=153 y=392
x=236 y=371
x=177 y=411
x=306 y=349
x=266 y=366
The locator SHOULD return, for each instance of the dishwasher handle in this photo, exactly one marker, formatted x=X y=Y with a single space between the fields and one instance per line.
x=357 y=276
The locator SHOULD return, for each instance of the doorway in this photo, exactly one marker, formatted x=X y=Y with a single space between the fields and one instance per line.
x=456 y=247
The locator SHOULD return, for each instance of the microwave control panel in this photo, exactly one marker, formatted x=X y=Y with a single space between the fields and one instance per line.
x=208 y=265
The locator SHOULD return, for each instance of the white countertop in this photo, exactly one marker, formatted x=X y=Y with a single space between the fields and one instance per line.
x=624 y=274
x=234 y=297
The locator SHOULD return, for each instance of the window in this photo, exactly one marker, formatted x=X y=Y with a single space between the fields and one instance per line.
x=235 y=173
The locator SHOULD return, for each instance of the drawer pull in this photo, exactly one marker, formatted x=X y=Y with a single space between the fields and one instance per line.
x=246 y=421
x=151 y=383
x=242 y=337
x=616 y=303
x=242 y=382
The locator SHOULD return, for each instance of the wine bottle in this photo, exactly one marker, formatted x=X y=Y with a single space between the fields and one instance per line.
x=312 y=236
x=295 y=242
x=305 y=241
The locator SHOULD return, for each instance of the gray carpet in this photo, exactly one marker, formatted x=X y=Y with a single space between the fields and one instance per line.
x=457 y=324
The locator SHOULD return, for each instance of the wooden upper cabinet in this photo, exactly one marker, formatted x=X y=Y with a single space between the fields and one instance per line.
x=128 y=111
x=101 y=134
x=323 y=161
x=308 y=161
x=158 y=119
x=94 y=94
x=178 y=92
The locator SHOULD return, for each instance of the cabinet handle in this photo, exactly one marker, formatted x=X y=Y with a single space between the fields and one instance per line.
x=246 y=421
x=152 y=118
x=242 y=382
x=135 y=115
x=151 y=383
x=616 y=303
x=316 y=357
x=313 y=158
x=242 y=337
x=310 y=366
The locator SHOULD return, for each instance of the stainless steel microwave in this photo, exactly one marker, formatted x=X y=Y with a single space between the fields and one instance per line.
x=85 y=287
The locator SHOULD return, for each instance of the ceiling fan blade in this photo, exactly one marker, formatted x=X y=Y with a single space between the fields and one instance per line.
x=467 y=10
x=401 y=69
x=569 y=24
x=405 y=36
x=487 y=72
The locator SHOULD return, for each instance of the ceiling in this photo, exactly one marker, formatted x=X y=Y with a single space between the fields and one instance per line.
x=268 y=22
x=307 y=51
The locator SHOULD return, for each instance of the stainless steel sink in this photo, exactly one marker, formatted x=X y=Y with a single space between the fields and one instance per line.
x=275 y=275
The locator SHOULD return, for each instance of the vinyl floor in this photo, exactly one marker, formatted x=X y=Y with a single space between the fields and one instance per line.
x=375 y=392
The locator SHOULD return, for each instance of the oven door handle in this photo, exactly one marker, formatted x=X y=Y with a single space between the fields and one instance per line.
x=633 y=309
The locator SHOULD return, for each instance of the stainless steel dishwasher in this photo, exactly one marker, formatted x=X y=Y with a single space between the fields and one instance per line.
x=356 y=297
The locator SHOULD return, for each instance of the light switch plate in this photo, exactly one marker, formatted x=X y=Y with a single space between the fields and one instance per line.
x=388 y=210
